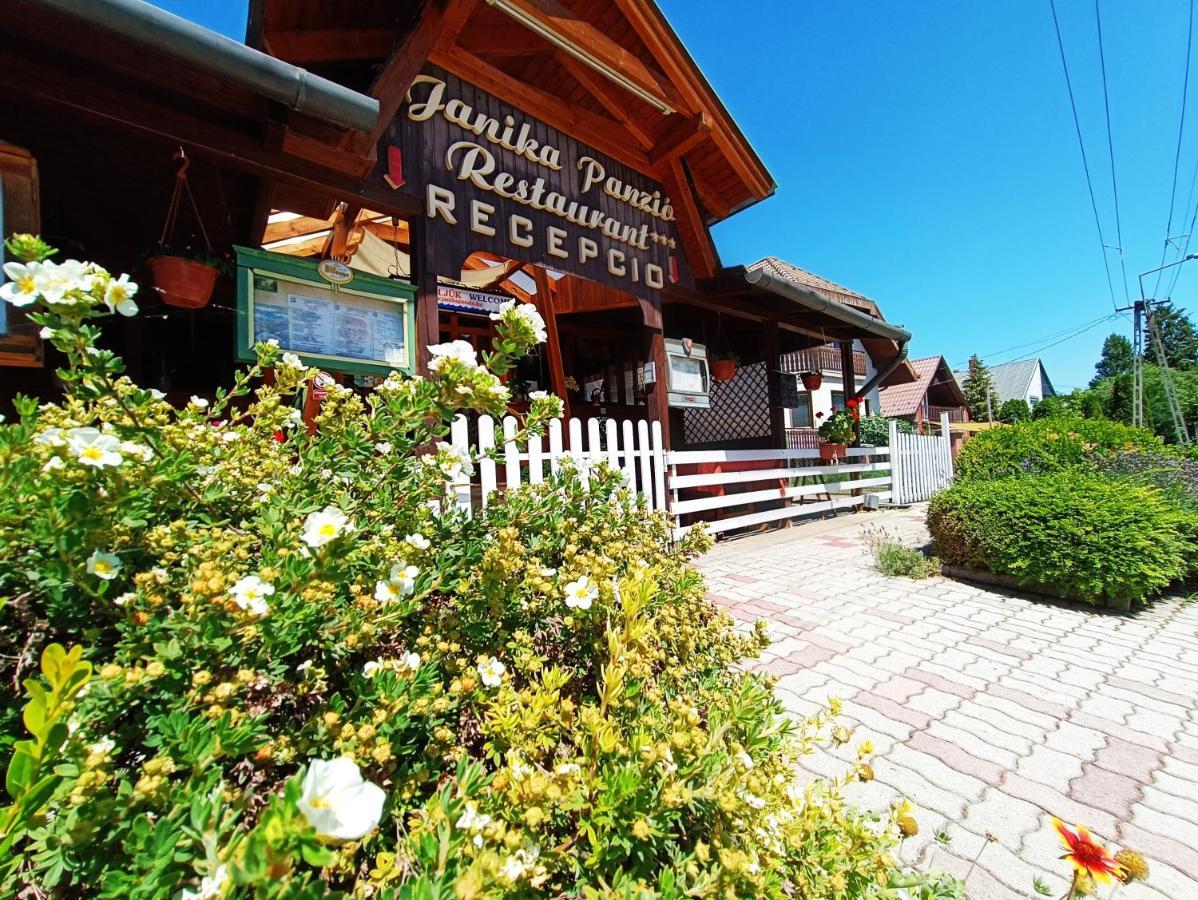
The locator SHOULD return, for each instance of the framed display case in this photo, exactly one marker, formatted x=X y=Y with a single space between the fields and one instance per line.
x=328 y=314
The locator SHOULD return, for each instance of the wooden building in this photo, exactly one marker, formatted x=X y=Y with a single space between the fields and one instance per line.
x=567 y=153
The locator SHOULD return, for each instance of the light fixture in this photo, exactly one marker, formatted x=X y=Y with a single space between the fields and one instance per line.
x=532 y=23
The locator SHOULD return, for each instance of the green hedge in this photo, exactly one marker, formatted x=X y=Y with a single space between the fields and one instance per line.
x=1067 y=534
x=1047 y=445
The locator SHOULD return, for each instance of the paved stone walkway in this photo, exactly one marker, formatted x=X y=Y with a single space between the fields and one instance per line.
x=989 y=711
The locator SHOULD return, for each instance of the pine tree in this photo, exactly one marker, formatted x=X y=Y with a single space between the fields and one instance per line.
x=1116 y=359
x=980 y=396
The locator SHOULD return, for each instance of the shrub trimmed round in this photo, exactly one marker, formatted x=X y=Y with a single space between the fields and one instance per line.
x=1067 y=534
x=1046 y=445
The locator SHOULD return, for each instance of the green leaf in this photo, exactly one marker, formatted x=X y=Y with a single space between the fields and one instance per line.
x=20 y=773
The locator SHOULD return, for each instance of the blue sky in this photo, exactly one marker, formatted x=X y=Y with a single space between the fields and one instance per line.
x=925 y=156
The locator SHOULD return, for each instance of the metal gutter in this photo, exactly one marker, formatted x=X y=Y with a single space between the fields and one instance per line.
x=817 y=302
x=215 y=54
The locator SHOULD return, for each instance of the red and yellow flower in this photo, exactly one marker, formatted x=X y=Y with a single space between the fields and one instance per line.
x=1087 y=855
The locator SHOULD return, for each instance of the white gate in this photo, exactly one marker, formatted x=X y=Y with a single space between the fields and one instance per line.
x=923 y=463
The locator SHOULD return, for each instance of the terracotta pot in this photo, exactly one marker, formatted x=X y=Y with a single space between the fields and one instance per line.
x=812 y=380
x=723 y=369
x=829 y=451
x=182 y=282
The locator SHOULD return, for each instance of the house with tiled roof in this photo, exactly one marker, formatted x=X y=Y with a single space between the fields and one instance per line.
x=1023 y=379
x=823 y=366
x=934 y=392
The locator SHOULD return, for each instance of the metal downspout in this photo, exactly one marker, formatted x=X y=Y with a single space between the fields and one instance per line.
x=224 y=58
x=883 y=372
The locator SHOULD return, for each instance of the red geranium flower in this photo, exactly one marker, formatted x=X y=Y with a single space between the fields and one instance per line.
x=851 y=404
x=1086 y=854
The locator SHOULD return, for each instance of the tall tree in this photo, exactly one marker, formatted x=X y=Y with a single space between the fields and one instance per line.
x=1178 y=336
x=1116 y=359
x=980 y=396
x=1014 y=410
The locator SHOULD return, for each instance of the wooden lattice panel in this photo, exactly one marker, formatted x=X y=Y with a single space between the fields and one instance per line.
x=739 y=409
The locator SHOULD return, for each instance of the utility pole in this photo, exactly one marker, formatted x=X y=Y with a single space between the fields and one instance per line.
x=1137 y=366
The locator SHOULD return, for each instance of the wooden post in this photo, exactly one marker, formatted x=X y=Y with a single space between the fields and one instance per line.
x=428 y=316
x=543 y=300
x=658 y=400
x=849 y=380
x=896 y=492
x=773 y=362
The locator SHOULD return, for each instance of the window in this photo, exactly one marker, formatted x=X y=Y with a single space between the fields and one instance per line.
x=19 y=343
x=800 y=415
x=838 y=399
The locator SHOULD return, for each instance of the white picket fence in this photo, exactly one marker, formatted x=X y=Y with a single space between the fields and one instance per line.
x=769 y=485
x=923 y=463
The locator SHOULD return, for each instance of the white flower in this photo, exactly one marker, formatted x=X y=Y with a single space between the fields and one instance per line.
x=455 y=462
x=338 y=802
x=103 y=747
x=525 y=311
x=744 y=760
x=103 y=565
x=410 y=661
x=753 y=800
x=491 y=672
x=51 y=437
x=472 y=820
x=140 y=451
x=124 y=598
x=382 y=448
x=250 y=594
x=157 y=394
x=417 y=541
x=581 y=594
x=55 y=281
x=118 y=296
x=372 y=668
x=291 y=361
x=212 y=887
x=305 y=666
x=386 y=592
x=404 y=578
x=53 y=464
x=92 y=448
x=22 y=287
x=324 y=526
x=442 y=354
x=567 y=769
x=46 y=333
x=199 y=402
x=538 y=395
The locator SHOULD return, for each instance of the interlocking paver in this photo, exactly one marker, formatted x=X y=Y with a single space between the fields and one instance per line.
x=989 y=711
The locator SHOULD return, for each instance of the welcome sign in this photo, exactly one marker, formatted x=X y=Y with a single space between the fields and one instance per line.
x=496 y=179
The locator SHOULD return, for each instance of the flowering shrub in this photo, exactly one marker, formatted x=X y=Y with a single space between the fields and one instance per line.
x=297 y=671
x=838 y=429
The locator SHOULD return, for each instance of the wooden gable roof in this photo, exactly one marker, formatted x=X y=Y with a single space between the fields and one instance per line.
x=610 y=72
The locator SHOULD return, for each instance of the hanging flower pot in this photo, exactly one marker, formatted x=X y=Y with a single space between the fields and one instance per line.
x=812 y=380
x=723 y=369
x=182 y=282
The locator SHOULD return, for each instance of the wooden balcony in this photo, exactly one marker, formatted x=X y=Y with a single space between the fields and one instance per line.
x=955 y=413
x=825 y=360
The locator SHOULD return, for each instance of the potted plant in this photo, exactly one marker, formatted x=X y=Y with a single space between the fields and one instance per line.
x=812 y=380
x=185 y=277
x=723 y=365
x=837 y=434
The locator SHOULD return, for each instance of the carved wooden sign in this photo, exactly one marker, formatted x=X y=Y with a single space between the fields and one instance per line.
x=496 y=179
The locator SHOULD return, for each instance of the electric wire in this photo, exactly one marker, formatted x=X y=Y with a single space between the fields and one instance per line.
x=1082 y=146
x=1185 y=87
x=1110 y=143
x=1047 y=337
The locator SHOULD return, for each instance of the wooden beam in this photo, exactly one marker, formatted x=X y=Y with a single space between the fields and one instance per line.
x=700 y=251
x=391 y=83
x=772 y=364
x=600 y=132
x=683 y=136
x=322 y=45
x=605 y=92
x=328 y=154
x=589 y=40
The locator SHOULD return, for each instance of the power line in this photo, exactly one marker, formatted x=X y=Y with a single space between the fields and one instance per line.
x=1185 y=87
x=1047 y=337
x=1110 y=143
x=1068 y=337
x=1082 y=146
